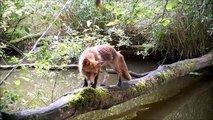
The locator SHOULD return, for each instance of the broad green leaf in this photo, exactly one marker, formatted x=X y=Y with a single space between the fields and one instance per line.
x=171 y=5
x=17 y=82
x=158 y=9
x=25 y=78
x=112 y=23
x=27 y=29
x=107 y=6
x=165 y=22
x=141 y=4
x=180 y=1
x=186 y=7
x=140 y=14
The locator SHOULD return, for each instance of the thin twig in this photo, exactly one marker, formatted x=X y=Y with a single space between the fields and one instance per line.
x=52 y=96
x=14 y=47
x=10 y=72
x=20 y=19
x=165 y=8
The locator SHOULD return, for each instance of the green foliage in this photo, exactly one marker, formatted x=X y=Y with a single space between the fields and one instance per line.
x=8 y=98
x=13 y=60
x=12 y=12
x=123 y=39
x=134 y=13
x=183 y=29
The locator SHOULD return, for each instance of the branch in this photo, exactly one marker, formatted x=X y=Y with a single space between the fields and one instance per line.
x=164 y=10
x=70 y=66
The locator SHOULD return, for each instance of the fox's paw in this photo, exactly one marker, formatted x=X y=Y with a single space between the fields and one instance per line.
x=119 y=83
x=102 y=84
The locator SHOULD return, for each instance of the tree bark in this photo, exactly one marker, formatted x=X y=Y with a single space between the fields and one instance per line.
x=87 y=99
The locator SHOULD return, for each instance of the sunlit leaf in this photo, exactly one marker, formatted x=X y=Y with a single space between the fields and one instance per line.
x=165 y=22
x=17 y=82
x=158 y=9
x=140 y=14
x=112 y=23
x=107 y=6
x=171 y=5
x=180 y=1
x=25 y=78
x=196 y=73
x=141 y=4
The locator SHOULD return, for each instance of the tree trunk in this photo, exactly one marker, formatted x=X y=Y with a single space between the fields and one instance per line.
x=87 y=99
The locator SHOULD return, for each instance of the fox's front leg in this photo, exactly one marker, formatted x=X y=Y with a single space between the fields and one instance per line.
x=106 y=76
x=119 y=82
x=95 y=81
x=85 y=83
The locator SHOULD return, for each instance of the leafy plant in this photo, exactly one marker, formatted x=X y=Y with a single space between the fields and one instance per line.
x=8 y=98
x=12 y=13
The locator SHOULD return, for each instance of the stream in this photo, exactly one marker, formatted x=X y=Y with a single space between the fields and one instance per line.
x=188 y=97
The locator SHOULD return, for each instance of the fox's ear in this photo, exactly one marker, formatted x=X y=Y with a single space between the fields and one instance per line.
x=100 y=63
x=86 y=62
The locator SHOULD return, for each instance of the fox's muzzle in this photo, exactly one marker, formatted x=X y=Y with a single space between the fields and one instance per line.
x=90 y=82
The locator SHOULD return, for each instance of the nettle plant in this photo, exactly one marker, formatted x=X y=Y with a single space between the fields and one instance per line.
x=11 y=14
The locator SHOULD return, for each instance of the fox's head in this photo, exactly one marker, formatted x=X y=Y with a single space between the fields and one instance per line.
x=91 y=69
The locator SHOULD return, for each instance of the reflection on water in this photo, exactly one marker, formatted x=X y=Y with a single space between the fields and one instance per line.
x=194 y=102
x=38 y=88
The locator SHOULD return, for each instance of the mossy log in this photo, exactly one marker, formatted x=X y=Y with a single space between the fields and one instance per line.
x=87 y=99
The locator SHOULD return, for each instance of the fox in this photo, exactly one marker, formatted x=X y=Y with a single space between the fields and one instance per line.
x=97 y=58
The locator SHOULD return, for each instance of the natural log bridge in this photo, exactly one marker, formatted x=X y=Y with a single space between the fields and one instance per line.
x=87 y=99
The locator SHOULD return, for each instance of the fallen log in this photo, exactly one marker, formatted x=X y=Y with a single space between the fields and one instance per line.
x=87 y=99
x=32 y=65
x=62 y=67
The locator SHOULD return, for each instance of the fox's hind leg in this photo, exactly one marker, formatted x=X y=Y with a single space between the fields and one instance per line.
x=121 y=68
x=116 y=67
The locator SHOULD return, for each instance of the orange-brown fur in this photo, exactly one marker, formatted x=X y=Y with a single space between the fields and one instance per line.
x=97 y=57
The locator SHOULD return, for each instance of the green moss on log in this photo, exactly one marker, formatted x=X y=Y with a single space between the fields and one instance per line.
x=84 y=97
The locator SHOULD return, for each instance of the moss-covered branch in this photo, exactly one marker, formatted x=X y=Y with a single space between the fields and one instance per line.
x=87 y=99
